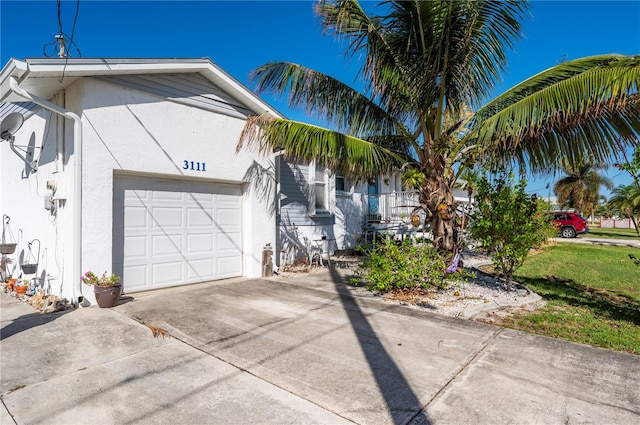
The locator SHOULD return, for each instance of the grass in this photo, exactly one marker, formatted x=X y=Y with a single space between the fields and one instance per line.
x=599 y=232
x=593 y=295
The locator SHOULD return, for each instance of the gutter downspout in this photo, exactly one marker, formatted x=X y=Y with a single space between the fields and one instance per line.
x=77 y=177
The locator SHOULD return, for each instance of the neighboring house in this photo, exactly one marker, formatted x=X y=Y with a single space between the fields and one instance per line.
x=130 y=166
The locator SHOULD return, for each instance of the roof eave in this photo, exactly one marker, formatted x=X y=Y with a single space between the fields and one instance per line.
x=48 y=73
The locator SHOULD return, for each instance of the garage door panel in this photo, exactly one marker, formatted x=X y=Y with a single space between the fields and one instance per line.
x=135 y=247
x=228 y=201
x=229 y=241
x=228 y=217
x=167 y=217
x=166 y=245
x=134 y=278
x=201 y=197
x=228 y=266
x=199 y=217
x=176 y=232
x=200 y=243
x=167 y=273
x=136 y=217
x=136 y=195
x=200 y=270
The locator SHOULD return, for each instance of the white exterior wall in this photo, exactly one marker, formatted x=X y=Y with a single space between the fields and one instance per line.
x=22 y=199
x=125 y=131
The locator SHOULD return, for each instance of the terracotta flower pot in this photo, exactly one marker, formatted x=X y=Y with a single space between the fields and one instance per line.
x=21 y=289
x=11 y=284
x=107 y=296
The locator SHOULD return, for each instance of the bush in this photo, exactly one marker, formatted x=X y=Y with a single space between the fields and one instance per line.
x=393 y=265
x=509 y=223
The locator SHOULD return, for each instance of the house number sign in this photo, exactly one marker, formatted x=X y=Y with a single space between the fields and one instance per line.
x=194 y=166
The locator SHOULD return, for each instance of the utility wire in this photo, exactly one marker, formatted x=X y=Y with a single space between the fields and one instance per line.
x=71 y=42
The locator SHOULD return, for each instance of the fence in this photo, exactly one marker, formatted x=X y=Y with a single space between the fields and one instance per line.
x=621 y=223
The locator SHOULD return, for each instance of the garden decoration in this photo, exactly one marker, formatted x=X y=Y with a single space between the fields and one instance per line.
x=453 y=267
x=8 y=246
x=30 y=264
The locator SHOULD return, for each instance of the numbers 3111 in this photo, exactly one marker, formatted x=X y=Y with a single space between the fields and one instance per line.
x=194 y=166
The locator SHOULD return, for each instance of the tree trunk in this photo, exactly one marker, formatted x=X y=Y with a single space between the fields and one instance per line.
x=437 y=197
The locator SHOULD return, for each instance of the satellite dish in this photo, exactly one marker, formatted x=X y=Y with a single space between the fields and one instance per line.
x=10 y=124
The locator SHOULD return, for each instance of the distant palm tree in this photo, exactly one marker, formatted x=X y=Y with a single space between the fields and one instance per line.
x=469 y=180
x=580 y=188
x=626 y=200
x=428 y=68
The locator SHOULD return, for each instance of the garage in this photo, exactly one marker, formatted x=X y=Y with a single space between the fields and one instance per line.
x=170 y=232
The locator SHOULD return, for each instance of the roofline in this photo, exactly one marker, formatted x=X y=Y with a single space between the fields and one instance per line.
x=87 y=67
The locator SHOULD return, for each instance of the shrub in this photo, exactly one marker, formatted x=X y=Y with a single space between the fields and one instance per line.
x=509 y=223
x=393 y=265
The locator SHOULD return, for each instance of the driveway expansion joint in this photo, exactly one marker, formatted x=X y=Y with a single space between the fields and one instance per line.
x=462 y=368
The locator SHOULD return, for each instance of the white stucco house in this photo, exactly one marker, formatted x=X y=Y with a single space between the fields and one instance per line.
x=130 y=166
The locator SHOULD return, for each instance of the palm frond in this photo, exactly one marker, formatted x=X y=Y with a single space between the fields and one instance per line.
x=587 y=108
x=347 y=154
x=326 y=98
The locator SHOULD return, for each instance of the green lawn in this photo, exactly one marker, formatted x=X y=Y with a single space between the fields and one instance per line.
x=593 y=295
x=611 y=233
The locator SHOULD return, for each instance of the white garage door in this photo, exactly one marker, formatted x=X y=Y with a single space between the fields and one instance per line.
x=174 y=232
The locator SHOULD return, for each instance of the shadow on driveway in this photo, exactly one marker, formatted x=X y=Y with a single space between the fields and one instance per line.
x=28 y=321
x=395 y=389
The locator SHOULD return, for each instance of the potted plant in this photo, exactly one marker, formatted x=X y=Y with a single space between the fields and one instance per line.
x=21 y=286
x=107 y=288
x=28 y=268
x=5 y=246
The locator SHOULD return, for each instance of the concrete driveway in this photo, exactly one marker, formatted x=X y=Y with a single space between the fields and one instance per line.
x=310 y=350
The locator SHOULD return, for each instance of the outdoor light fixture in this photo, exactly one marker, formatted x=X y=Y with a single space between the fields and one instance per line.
x=9 y=126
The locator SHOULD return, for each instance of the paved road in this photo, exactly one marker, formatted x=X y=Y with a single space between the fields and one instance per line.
x=600 y=241
x=305 y=350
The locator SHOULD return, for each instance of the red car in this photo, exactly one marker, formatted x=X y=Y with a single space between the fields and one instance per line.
x=569 y=224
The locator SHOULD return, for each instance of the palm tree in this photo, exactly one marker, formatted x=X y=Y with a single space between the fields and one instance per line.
x=626 y=199
x=427 y=65
x=580 y=187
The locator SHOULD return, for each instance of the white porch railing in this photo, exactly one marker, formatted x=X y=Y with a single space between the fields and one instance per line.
x=391 y=207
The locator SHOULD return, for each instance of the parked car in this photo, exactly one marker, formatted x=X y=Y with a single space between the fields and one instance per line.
x=569 y=224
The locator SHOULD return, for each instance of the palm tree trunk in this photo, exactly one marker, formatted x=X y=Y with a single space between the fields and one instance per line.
x=437 y=200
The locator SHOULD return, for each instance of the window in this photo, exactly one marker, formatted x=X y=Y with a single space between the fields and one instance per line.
x=341 y=185
x=319 y=202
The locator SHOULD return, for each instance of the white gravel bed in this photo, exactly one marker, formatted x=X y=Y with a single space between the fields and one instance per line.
x=461 y=299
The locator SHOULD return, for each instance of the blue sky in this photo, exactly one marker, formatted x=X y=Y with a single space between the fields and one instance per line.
x=242 y=35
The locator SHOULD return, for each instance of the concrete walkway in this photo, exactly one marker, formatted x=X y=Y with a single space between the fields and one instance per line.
x=300 y=351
